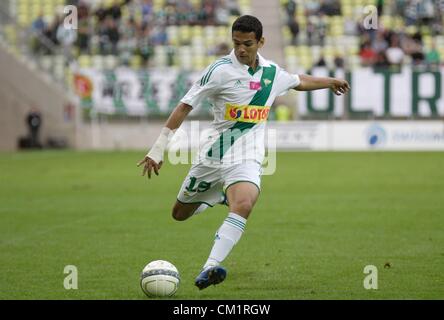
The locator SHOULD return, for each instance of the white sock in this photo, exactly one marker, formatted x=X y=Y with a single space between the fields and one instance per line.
x=226 y=237
x=201 y=208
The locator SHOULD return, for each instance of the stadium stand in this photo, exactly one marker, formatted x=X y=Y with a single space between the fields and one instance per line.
x=131 y=60
x=188 y=34
x=184 y=34
x=180 y=35
x=332 y=33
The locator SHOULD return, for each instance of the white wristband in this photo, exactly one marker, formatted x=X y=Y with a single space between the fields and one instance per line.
x=157 y=150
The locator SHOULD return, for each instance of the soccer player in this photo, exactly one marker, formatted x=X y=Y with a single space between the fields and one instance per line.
x=241 y=87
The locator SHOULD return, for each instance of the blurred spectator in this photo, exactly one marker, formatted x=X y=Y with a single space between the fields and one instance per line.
x=112 y=35
x=380 y=43
x=222 y=13
x=290 y=8
x=368 y=55
x=426 y=11
x=38 y=28
x=294 y=29
x=147 y=11
x=394 y=54
x=411 y=12
x=101 y=13
x=39 y=24
x=310 y=30
x=115 y=12
x=159 y=36
x=233 y=6
x=398 y=7
x=126 y=48
x=433 y=58
x=145 y=47
x=321 y=62
x=316 y=30
x=66 y=37
x=51 y=30
x=413 y=47
x=380 y=7
x=84 y=29
x=312 y=7
x=322 y=29
x=381 y=61
x=207 y=13
x=129 y=29
x=171 y=53
x=330 y=7
x=339 y=61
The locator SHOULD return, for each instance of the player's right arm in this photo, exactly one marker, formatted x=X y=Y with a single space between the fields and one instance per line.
x=154 y=158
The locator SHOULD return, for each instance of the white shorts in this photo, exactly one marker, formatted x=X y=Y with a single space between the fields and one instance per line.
x=205 y=184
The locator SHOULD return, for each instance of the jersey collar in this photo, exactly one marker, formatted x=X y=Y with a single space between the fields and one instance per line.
x=262 y=63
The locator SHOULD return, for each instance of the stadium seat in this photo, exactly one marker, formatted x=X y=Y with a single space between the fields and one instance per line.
x=110 y=62
x=136 y=62
x=98 y=62
x=85 y=61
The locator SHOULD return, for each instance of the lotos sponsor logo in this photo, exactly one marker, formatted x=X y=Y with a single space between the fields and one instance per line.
x=235 y=113
x=254 y=114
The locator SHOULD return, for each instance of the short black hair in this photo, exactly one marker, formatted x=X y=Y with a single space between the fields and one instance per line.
x=248 y=24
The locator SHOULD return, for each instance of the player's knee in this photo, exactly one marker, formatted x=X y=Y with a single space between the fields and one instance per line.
x=179 y=214
x=243 y=206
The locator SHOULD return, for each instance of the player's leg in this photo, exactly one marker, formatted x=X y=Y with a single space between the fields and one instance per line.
x=182 y=211
x=241 y=198
x=200 y=190
x=242 y=192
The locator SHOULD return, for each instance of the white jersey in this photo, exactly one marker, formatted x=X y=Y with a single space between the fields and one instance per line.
x=241 y=99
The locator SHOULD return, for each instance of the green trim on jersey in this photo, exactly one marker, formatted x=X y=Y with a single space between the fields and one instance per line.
x=252 y=72
x=240 y=128
x=231 y=135
x=196 y=202
x=226 y=188
x=267 y=80
x=218 y=63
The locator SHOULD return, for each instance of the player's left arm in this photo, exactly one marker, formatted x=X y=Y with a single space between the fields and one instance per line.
x=309 y=83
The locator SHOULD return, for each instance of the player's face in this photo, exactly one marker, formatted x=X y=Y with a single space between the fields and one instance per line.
x=246 y=46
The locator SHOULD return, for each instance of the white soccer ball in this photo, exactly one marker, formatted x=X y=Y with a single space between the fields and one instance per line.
x=160 y=278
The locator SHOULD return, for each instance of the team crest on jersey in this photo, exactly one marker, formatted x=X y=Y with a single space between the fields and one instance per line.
x=246 y=113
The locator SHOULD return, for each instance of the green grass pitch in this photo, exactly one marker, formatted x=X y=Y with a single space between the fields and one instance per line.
x=321 y=218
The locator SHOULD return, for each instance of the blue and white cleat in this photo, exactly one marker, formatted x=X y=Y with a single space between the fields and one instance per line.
x=210 y=276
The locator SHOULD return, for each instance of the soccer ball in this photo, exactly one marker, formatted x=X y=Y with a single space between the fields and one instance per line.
x=160 y=278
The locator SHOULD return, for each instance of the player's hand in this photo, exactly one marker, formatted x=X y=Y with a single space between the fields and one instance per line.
x=148 y=165
x=339 y=87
